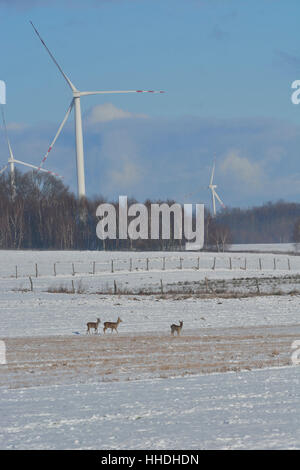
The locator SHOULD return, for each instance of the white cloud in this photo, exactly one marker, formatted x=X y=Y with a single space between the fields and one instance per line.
x=126 y=175
x=108 y=112
x=248 y=173
x=121 y=160
x=161 y=158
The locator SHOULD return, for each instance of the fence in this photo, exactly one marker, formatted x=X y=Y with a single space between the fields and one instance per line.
x=230 y=287
x=164 y=263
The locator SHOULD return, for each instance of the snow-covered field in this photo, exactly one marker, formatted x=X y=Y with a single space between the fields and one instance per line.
x=60 y=402
x=246 y=410
x=265 y=247
x=51 y=264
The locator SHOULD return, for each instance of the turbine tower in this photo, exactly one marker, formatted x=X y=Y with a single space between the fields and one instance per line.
x=78 y=120
x=12 y=161
x=214 y=194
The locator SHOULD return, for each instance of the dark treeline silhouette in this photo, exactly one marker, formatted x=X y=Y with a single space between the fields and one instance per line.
x=44 y=214
x=269 y=223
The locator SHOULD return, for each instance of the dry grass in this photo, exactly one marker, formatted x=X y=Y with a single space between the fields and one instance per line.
x=232 y=288
x=71 y=289
x=71 y=359
x=61 y=289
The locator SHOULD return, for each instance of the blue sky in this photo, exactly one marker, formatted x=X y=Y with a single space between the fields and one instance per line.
x=226 y=67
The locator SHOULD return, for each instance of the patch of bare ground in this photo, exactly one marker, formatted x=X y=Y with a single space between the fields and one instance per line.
x=36 y=361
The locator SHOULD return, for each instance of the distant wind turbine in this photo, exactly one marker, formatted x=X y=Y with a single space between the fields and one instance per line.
x=214 y=194
x=12 y=161
x=78 y=120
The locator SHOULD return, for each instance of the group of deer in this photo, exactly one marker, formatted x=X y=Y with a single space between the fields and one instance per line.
x=107 y=325
x=114 y=326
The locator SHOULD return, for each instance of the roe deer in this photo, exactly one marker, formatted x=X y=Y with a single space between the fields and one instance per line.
x=94 y=325
x=176 y=328
x=112 y=325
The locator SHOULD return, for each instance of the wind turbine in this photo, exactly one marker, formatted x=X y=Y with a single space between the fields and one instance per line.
x=214 y=194
x=78 y=120
x=12 y=161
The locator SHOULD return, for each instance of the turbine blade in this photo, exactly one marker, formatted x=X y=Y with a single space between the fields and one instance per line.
x=194 y=192
x=86 y=93
x=3 y=169
x=73 y=88
x=57 y=134
x=190 y=194
x=37 y=168
x=212 y=173
x=219 y=199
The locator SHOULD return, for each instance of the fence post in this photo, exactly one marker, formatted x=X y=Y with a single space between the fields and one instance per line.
x=147 y=264
x=54 y=269
x=112 y=265
x=180 y=263
x=198 y=263
x=260 y=267
x=73 y=287
x=130 y=264
x=73 y=270
x=36 y=270
x=94 y=267
x=161 y=287
x=230 y=263
x=16 y=272
x=274 y=263
x=31 y=283
x=164 y=263
x=289 y=265
x=257 y=285
x=214 y=265
x=206 y=284
x=115 y=287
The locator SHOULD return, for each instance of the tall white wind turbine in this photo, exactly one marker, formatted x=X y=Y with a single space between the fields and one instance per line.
x=12 y=161
x=214 y=194
x=78 y=120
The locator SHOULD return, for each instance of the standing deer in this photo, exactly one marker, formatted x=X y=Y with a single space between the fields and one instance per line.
x=112 y=325
x=94 y=325
x=176 y=328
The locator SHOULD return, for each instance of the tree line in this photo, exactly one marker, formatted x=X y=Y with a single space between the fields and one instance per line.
x=272 y=222
x=45 y=214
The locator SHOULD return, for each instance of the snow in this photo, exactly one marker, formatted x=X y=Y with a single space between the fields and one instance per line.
x=265 y=247
x=46 y=314
x=48 y=406
x=247 y=410
x=82 y=261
